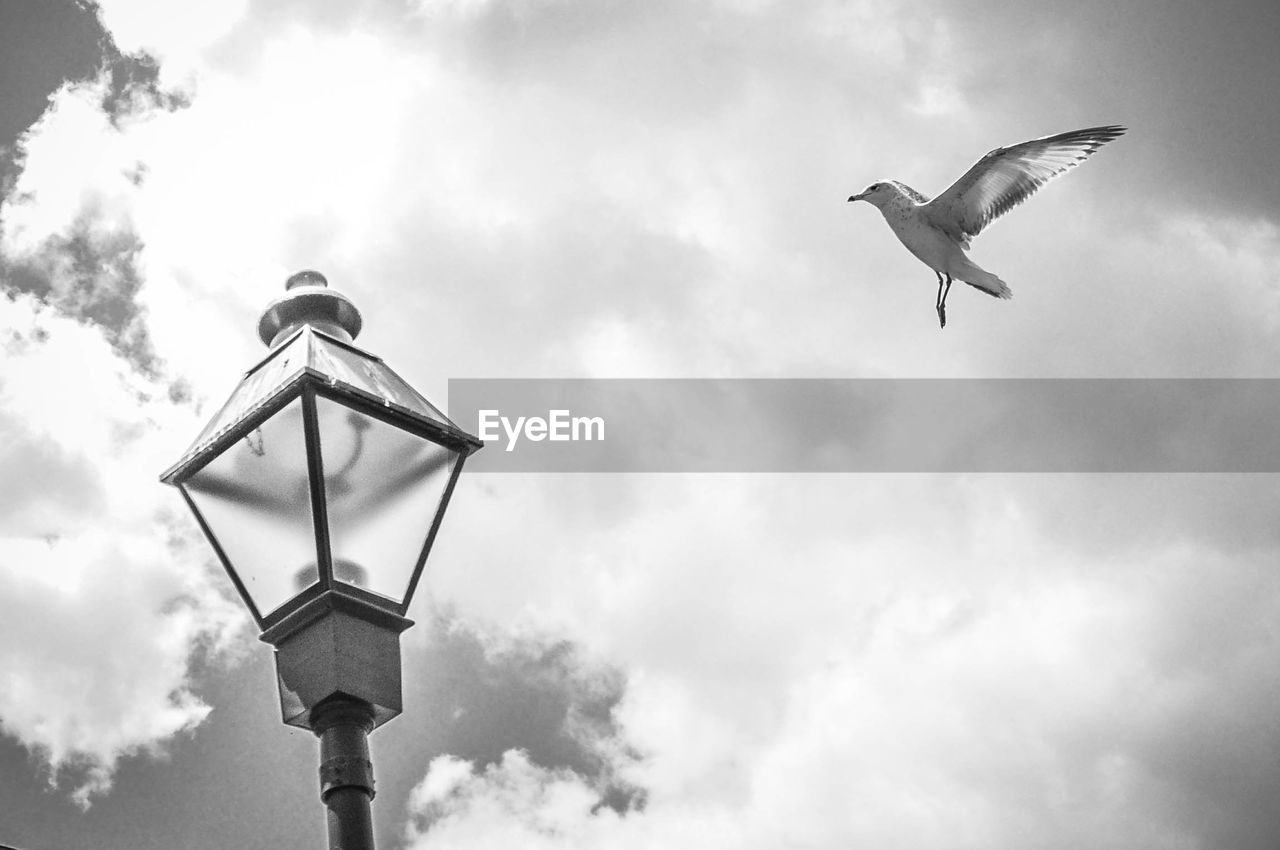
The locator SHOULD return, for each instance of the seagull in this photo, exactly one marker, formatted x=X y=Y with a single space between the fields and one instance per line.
x=938 y=231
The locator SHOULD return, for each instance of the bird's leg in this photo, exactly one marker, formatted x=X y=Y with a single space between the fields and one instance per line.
x=940 y=304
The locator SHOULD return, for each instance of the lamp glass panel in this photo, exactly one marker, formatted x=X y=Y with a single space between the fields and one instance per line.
x=383 y=488
x=256 y=501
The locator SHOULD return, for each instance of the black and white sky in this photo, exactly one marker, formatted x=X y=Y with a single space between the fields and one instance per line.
x=561 y=188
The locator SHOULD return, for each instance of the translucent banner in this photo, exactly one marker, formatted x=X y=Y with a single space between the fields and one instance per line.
x=871 y=425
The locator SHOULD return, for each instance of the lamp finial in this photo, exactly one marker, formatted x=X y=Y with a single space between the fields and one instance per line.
x=309 y=301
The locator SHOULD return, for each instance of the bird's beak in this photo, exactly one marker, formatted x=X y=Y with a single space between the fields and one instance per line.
x=853 y=198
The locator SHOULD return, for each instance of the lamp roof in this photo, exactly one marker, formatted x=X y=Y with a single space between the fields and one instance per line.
x=312 y=355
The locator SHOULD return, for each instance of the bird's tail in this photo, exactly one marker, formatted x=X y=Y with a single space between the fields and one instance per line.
x=982 y=279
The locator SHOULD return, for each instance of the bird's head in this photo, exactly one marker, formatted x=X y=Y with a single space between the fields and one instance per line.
x=876 y=194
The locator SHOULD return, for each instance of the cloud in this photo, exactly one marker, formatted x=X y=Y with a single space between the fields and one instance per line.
x=1190 y=81
x=66 y=45
x=535 y=154
x=66 y=230
x=925 y=661
x=177 y=38
x=487 y=691
x=551 y=189
x=89 y=273
x=107 y=599
x=514 y=801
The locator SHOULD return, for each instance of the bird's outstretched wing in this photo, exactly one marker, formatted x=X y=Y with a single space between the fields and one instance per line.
x=1008 y=176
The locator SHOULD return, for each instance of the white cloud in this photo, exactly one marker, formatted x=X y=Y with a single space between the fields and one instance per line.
x=105 y=597
x=511 y=803
x=918 y=660
x=178 y=36
x=78 y=167
x=556 y=188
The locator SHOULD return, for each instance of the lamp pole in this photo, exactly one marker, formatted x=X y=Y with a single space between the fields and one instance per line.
x=321 y=484
x=346 y=771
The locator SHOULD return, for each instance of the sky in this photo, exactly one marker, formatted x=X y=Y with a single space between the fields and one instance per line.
x=567 y=189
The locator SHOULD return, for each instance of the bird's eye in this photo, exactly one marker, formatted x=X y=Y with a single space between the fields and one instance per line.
x=874 y=187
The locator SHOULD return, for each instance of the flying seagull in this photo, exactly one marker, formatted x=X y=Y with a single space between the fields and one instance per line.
x=938 y=231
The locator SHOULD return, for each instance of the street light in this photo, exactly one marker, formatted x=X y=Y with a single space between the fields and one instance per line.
x=321 y=484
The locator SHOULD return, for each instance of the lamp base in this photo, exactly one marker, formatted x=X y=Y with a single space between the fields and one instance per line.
x=337 y=648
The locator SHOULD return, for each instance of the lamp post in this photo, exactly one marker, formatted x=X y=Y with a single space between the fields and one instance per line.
x=321 y=484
